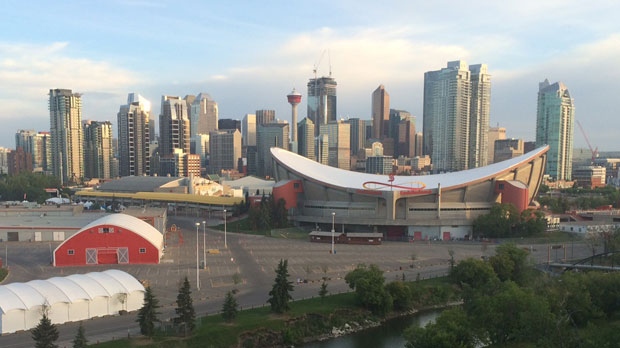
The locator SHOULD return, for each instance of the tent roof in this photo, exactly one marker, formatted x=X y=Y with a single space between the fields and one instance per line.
x=76 y=287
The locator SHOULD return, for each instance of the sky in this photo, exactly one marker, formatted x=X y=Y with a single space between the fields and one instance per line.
x=249 y=55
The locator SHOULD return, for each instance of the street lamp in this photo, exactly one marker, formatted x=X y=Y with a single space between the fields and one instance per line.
x=204 y=244
x=225 y=244
x=333 y=217
x=197 y=266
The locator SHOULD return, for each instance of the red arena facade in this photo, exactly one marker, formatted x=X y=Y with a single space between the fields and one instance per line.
x=439 y=206
x=112 y=239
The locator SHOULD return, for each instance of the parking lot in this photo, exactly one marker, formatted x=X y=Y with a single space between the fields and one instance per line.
x=254 y=259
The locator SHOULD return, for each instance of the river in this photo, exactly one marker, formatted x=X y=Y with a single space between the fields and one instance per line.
x=388 y=335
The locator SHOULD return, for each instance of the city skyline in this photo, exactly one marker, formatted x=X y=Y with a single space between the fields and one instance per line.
x=251 y=60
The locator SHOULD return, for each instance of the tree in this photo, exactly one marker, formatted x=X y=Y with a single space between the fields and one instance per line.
x=323 y=290
x=80 y=340
x=229 y=308
x=185 y=309
x=279 y=294
x=368 y=283
x=147 y=315
x=45 y=333
x=472 y=273
x=402 y=298
x=499 y=222
x=452 y=329
x=510 y=263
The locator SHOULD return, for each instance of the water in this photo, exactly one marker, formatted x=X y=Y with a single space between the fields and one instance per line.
x=389 y=335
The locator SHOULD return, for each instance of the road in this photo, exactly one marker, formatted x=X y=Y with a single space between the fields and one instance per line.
x=253 y=258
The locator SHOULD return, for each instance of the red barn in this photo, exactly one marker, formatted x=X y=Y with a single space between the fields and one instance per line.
x=112 y=239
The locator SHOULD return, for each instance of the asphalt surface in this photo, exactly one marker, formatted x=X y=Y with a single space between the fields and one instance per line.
x=254 y=259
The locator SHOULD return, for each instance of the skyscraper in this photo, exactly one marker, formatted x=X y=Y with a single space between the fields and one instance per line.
x=134 y=136
x=269 y=135
x=339 y=144
x=479 y=115
x=98 y=153
x=67 y=137
x=204 y=115
x=38 y=145
x=265 y=116
x=554 y=127
x=380 y=113
x=358 y=135
x=225 y=147
x=305 y=130
x=322 y=101
x=248 y=130
x=495 y=133
x=174 y=125
x=453 y=121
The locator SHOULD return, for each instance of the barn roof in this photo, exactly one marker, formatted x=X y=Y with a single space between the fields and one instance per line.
x=127 y=222
x=74 y=288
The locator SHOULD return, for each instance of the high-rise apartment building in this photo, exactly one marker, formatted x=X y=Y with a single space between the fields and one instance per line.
x=305 y=138
x=67 y=137
x=265 y=116
x=554 y=127
x=269 y=135
x=322 y=101
x=204 y=115
x=380 y=113
x=98 y=154
x=225 y=147
x=38 y=144
x=455 y=125
x=134 y=136
x=339 y=149
x=479 y=115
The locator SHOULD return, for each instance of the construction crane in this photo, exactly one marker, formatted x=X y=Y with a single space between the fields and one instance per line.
x=593 y=151
x=316 y=66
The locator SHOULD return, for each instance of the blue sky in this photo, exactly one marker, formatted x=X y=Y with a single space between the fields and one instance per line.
x=248 y=55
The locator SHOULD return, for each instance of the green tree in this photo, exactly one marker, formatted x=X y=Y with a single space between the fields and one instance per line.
x=510 y=263
x=80 y=340
x=452 y=329
x=229 y=308
x=368 y=283
x=472 y=273
x=279 y=296
x=45 y=333
x=510 y=314
x=402 y=298
x=147 y=315
x=323 y=290
x=186 y=316
x=499 y=223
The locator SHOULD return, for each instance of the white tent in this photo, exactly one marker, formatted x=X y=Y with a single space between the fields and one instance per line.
x=73 y=298
x=57 y=200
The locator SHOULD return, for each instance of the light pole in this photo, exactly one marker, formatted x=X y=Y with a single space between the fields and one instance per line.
x=197 y=266
x=225 y=244
x=333 y=217
x=204 y=244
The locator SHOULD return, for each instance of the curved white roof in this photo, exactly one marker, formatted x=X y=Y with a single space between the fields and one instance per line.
x=360 y=181
x=73 y=288
x=127 y=222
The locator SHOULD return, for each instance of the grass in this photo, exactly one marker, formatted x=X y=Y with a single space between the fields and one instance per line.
x=212 y=331
x=3 y=274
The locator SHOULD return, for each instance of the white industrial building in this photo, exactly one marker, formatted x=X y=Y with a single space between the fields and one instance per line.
x=67 y=299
